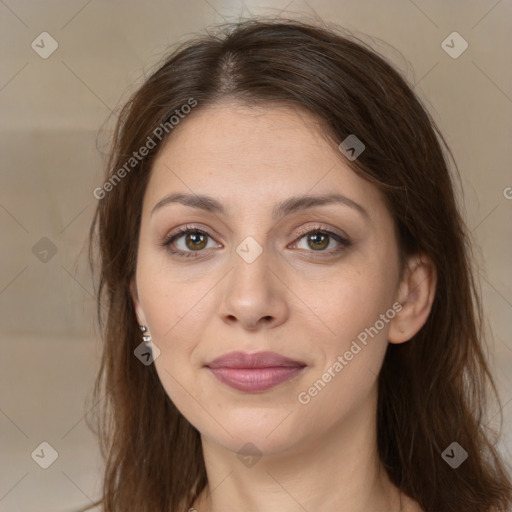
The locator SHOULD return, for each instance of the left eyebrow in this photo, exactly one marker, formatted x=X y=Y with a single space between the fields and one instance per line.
x=294 y=204
x=280 y=210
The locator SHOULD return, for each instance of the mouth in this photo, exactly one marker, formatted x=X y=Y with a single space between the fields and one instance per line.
x=254 y=372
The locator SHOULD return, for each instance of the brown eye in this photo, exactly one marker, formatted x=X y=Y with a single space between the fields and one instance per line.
x=188 y=241
x=195 y=240
x=318 y=241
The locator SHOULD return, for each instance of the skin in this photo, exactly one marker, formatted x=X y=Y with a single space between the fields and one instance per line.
x=300 y=302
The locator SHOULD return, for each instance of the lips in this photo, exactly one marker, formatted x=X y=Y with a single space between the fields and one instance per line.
x=255 y=372
x=256 y=360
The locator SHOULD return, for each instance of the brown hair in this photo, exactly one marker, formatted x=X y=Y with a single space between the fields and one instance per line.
x=432 y=390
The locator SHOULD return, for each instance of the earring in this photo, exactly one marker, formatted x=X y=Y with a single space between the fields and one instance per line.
x=146 y=337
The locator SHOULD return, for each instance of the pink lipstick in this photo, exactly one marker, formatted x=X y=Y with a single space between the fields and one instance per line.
x=254 y=372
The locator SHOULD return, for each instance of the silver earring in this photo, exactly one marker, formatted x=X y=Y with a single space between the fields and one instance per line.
x=146 y=337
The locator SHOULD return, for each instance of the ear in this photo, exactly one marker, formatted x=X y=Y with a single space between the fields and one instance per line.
x=141 y=318
x=416 y=295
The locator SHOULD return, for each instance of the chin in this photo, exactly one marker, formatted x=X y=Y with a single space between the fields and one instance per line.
x=248 y=431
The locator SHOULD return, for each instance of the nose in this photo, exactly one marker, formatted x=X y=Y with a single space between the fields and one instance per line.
x=253 y=296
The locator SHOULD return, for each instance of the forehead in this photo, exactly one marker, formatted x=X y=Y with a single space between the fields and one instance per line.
x=239 y=153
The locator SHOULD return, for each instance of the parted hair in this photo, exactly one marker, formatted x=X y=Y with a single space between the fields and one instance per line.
x=433 y=390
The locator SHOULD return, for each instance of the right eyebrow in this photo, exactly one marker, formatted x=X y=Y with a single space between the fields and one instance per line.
x=193 y=200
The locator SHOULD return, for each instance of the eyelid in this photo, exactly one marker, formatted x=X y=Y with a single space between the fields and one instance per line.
x=322 y=227
x=184 y=230
x=343 y=240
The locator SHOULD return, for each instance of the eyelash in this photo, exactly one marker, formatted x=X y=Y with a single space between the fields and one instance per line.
x=344 y=242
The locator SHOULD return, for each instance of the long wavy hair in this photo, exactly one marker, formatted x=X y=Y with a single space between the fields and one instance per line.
x=432 y=390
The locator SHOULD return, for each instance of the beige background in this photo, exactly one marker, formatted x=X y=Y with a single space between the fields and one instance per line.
x=52 y=110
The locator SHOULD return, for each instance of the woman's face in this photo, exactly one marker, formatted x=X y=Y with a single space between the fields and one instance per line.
x=252 y=279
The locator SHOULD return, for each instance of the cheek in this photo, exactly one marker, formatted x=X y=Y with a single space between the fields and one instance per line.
x=348 y=302
x=352 y=345
x=171 y=304
x=178 y=314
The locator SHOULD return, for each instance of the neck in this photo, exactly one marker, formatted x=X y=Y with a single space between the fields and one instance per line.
x=339 y=471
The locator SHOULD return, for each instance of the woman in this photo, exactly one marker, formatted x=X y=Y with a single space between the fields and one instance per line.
x=290 y=318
